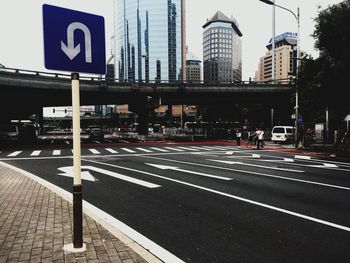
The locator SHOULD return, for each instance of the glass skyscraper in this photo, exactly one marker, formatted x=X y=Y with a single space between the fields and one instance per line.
x=148 y=40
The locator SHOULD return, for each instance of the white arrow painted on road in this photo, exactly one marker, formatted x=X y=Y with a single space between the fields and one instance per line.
x=68 y=171
x=325 y=165
x=256 y=165
x=288 y=160
x=168 y=167
x=72 y=51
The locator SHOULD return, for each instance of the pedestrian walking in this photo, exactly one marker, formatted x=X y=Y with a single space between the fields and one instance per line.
x=260 y=137
x=238 y=137
x=254 y=136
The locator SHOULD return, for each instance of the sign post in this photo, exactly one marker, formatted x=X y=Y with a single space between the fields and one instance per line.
x=74 y=41
x=77 y=186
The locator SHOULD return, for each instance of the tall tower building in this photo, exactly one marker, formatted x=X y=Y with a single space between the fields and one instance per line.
x=222 y=49
x=149 y=40
x=285 y=64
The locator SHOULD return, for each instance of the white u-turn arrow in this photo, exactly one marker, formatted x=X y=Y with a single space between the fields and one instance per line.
x=72 y=51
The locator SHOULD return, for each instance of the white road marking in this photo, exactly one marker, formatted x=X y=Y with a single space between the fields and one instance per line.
x=158 y=149
x=167 y=167
x=96 y=141
x=288 y=160
x=211 y=147
x=255 y=156
x=35 y=153
x=186 y=148
x=302 y=157
x=202 y=148
x=259 y=166
x=248 y=172
x=128 y=150
x=121 y=177
x=292 y=162
x=68 y=171
x=221 y=148
x=111 y=150
x=281 y=210
x=14 y=154
x=94 y=151
x=56 y=152
x=208 y=148
x=174 y=149
x=143 y=149
x=325 y=165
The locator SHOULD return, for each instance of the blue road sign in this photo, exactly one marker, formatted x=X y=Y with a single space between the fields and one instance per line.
x=73 y=41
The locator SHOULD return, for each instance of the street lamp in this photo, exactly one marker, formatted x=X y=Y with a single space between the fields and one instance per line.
x=297 y=17
x=273 y=36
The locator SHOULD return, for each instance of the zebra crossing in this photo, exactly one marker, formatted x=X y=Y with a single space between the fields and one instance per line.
x=116 y=151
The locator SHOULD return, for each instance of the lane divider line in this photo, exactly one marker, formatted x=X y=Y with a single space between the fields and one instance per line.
x=271 y=207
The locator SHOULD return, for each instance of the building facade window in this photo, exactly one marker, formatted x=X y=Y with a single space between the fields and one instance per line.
x=148 y=36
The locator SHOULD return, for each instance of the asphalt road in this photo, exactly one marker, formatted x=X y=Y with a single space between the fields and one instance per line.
x=208 y=203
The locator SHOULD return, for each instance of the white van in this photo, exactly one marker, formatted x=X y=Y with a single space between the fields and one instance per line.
x=282 y=134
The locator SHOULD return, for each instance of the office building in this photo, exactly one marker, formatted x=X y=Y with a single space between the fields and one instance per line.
x=285 y=62
x=222 y=49
x=193 y=69
x=149 y=40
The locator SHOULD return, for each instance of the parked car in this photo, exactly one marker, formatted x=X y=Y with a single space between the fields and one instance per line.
x=282 y=134
x=19 y=132
x=9 y=133
x=96 y=134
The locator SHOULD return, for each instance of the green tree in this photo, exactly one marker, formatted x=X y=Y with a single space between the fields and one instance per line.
x=324 y=81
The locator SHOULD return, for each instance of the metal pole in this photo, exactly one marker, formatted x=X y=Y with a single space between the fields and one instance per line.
x=296 y=85
x=327 y=119
x=183 y=40
x=272 y=118
x=77 y=187
x=273 y=41
x=181 y=116
x=183 y=48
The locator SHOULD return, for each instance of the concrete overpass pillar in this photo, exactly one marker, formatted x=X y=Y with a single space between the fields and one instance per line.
x=169 y=116
x=141 y=109
x=142 y=128
x=39 y=118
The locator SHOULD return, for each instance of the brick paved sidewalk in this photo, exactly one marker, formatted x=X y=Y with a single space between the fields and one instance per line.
x=35 y=224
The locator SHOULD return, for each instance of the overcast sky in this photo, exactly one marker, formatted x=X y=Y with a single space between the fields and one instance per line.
x=21 y=36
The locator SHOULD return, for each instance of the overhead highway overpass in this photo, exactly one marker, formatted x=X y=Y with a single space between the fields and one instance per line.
x=25 y=92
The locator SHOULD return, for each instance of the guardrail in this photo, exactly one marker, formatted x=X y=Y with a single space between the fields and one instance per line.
x=101 y=78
